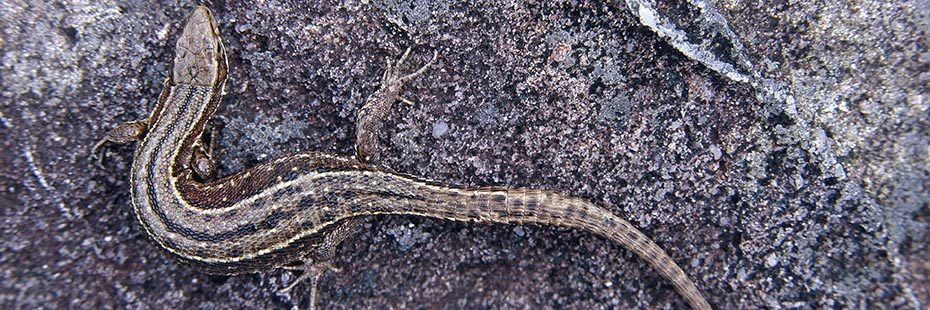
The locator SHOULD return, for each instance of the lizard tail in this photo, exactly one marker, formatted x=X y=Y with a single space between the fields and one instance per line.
x=550 y=208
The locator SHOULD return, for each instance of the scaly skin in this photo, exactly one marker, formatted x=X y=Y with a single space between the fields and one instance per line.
x=294 y=208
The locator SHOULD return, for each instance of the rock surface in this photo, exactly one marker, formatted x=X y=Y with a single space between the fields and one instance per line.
x=779 y=151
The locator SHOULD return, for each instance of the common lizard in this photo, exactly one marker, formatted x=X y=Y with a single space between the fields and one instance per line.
x=298 y=208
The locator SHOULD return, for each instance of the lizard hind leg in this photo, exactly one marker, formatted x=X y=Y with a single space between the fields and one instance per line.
x=377 y=106
x=318 y=261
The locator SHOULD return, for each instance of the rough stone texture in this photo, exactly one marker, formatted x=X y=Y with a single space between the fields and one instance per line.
x=806 y=186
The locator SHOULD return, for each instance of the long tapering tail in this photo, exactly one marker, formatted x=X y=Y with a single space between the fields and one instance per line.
x=544 y=208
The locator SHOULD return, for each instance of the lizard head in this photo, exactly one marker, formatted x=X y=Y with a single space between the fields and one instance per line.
x=200 y=58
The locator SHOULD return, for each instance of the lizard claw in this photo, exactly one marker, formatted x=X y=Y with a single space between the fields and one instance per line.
x=96 y=156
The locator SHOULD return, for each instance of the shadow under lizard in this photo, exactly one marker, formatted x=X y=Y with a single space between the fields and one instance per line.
x=300 y=207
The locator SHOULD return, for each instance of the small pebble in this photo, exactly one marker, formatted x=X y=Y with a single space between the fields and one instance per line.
x=440 y=128
x=771 y=260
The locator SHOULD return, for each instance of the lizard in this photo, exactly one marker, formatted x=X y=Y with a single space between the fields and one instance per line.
x=292 y=212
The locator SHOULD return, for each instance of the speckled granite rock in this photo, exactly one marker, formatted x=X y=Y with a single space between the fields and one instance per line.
x=777 y=150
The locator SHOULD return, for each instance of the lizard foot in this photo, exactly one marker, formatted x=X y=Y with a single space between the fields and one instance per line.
x=319 y=261
x=312 y=270
x=393 y=81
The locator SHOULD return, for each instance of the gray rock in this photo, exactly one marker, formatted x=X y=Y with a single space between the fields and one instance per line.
x=777 y=150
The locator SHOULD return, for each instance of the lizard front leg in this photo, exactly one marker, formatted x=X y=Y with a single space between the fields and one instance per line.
x=131 y=131
x=124 y=133
x=201 y=160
